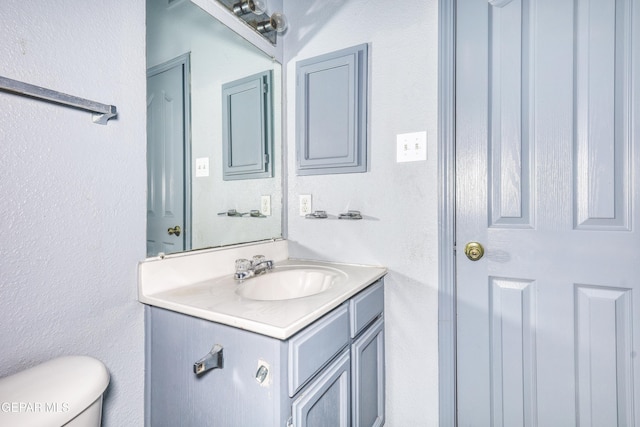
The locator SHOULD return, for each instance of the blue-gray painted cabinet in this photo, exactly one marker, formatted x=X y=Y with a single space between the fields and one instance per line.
x=247 y=127
x=331 y=112
x=330 y=374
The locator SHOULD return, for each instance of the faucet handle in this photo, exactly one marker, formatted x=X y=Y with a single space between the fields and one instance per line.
x=257 y=259
x=243 y=264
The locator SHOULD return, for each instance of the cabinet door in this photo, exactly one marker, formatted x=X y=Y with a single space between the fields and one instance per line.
x=246 y=128
x=331 y=115
x=325 y=402
x=367 y=357
x=227 y=397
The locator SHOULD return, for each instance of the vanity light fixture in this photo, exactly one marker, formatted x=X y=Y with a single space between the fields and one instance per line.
x=250 y=6
x=278 y=23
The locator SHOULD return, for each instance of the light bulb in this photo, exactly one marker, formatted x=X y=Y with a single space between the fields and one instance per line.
x=279 y=22
x=258 y=6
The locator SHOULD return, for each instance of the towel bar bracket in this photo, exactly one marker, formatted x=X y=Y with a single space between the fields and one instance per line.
x=103 y=118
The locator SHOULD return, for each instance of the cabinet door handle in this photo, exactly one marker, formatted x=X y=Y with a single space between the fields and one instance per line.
x=214 y=359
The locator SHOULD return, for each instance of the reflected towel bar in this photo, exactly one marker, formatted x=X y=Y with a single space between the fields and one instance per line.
x=101 y=112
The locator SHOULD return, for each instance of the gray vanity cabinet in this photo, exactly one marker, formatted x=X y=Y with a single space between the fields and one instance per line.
x=330 y=374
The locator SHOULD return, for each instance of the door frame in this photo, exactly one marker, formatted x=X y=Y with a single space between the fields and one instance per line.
x=183 y=61
x=446 y=215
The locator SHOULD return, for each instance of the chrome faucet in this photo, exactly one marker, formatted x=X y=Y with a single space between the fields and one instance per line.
x=248 y=268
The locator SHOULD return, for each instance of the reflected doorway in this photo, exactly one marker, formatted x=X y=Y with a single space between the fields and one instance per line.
x=168 y=154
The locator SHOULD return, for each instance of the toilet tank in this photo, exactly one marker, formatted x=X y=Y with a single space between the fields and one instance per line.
x=55 y=393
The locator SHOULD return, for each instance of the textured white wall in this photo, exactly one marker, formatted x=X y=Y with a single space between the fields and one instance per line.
x=72 y=193
x=399 y=199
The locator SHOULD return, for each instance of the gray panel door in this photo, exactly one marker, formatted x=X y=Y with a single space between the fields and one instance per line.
x=166 y=142
x=547 y=140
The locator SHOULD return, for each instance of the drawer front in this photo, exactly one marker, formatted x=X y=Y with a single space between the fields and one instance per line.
x=316 y=345
x=366 y=306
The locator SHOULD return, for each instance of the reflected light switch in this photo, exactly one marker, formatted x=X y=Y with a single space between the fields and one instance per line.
x=202 y=167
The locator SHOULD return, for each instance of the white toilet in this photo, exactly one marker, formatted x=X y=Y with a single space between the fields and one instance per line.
x=66 y=391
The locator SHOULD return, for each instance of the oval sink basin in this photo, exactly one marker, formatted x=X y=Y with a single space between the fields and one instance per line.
x=289 y=283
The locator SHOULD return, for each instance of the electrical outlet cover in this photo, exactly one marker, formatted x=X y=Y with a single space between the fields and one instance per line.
x=305 y=204
x=265 y=205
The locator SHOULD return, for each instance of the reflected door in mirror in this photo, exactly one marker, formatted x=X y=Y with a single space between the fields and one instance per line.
x=165 y=158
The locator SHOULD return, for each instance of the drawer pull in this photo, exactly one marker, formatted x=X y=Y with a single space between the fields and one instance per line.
x=214 y=359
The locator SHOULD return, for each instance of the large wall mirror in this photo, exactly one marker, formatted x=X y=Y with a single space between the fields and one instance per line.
x=191 y=57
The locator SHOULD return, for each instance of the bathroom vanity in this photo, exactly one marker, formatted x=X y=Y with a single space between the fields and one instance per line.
x=315 y=360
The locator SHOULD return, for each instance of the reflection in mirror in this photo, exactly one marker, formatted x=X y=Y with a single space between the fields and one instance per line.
x=246 y=127
x=190 y=56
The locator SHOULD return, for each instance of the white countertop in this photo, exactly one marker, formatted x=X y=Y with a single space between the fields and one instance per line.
x=216 y=299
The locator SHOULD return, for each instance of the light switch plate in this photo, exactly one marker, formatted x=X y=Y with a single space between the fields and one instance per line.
x=411 y=147
x=202 y=167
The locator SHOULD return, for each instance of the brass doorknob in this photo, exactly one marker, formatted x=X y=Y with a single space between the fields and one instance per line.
x=175 y=230
x=474 y=251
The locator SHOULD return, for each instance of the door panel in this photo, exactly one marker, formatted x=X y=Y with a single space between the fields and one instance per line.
x=509 y=115
x=546 y=145
x=512 y=308
x=603 y=106
x=165 y=160
x=603 y=338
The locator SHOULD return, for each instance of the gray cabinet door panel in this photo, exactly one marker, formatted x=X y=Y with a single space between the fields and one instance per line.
x=177 y=397
x=367 y=359
x=326 y=402
x=246 y=127
x=331 y=112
